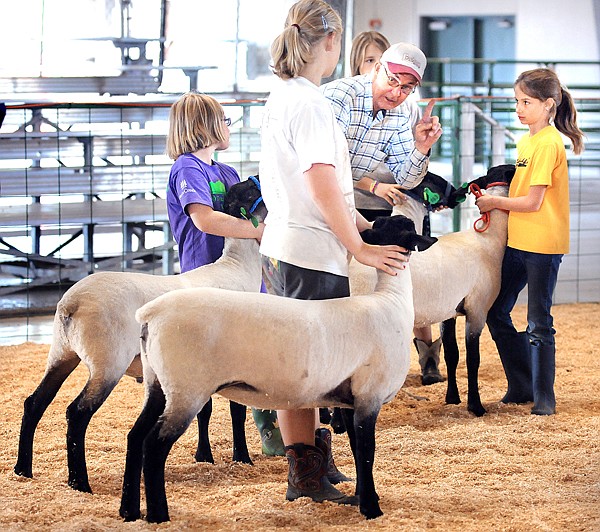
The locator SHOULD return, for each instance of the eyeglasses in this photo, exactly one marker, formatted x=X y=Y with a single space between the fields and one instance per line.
x=394 y=82
x=227 y=121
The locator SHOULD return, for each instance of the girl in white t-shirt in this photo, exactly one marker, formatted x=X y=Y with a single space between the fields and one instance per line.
x=312 y=227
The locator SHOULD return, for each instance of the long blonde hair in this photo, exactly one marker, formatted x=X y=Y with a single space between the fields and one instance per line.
x=196 y=121
x=308 y=22
x=359 y=48
x=543 y=83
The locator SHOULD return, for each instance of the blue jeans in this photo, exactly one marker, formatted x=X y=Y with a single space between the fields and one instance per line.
x=539 y=272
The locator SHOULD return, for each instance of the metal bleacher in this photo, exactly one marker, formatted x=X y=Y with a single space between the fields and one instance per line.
x=73 y=171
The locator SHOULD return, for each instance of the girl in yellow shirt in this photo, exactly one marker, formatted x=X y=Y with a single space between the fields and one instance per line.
x=538 y=237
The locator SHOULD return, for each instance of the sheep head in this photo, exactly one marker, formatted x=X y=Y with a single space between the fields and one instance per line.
x=436 y=192
x=502 y=173
x=244 y=200
x=396 y=230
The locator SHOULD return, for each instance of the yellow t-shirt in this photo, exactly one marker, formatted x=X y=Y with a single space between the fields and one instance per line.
x=541 y=160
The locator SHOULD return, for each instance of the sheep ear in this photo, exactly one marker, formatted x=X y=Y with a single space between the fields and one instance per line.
x=423 y=242
x=369 y=236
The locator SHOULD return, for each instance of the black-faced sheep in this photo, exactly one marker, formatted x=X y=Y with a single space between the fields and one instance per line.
x=319 y=353
x=95 y=323
x=460 y=275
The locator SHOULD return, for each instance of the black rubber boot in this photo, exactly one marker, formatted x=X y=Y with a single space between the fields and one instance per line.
x=323 y=442
x=543 y=358
x=270 y=435
x=515 y=355
x=307 y=476
x=429 y=360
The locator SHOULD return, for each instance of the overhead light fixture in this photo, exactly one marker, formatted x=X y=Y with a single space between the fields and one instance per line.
x=505 y=23
x=438 y=25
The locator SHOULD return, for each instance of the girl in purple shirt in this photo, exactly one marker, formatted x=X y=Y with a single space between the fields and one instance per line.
x=195 y=194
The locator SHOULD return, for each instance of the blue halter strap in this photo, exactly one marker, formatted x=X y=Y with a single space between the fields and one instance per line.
x=257 y=202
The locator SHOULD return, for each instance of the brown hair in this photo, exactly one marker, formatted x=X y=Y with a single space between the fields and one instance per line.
x=359 y=48
x=308 y=21
x=195 y=122
x=543 y=83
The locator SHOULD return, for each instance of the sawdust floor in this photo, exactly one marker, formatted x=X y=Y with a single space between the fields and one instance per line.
x=437 y=467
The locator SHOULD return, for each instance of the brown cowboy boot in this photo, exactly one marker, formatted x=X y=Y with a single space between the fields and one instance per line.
x=323 y=442
x=307 y=476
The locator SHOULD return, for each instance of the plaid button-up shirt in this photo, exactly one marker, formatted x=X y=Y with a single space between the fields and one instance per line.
x=386 y=138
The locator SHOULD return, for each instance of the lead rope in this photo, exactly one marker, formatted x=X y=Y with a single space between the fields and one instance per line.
x=485 y=217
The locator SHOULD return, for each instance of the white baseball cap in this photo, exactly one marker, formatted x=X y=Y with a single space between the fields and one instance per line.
x=405 y=58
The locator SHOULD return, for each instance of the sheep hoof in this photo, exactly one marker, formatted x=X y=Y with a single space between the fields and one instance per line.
x=204 y=458
x=158 y=517
x=129 y=517
x=23 y=471
x=243 y=458
x=477 y=410
x=80 y=485
x=371 y=511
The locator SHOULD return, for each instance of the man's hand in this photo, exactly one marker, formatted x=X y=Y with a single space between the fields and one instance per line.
x=428 y=130
x=390 y=193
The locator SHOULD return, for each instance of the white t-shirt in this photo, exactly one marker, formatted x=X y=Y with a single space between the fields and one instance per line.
x=299 y=130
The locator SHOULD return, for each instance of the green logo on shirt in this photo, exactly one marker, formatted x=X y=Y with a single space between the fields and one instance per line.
x=217 y=187
x=217 y=190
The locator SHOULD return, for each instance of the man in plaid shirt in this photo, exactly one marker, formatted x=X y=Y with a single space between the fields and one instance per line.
x=368 y=109
x=386 y=154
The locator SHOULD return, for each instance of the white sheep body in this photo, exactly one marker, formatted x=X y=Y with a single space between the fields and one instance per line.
x=305 y=349
x=96 y=317
x=95 y=323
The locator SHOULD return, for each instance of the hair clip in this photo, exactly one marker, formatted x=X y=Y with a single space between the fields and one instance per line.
x=324 y=21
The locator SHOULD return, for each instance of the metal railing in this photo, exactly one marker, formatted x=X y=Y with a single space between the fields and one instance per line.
x=56 y=155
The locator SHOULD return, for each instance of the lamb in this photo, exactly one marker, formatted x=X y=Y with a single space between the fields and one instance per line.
x=458 y=276
x=95 y=323
x=329 y=360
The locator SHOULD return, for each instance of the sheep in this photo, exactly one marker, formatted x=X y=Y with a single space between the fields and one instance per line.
x=460 y=275
x=352 y=352
x=95 y=323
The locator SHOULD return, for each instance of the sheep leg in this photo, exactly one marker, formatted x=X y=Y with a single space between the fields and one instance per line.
x=473 y=361
x=347 y=415
x=364 y=428
x=79 y=415
x=451 y=354
x=157 y=446
x=35 y=406
x=204 y=452
x=337 y=421
x=153 y=408
x=238 y=423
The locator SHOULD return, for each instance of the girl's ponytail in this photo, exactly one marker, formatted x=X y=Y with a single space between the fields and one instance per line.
x=308 y=21
x=566 y=121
